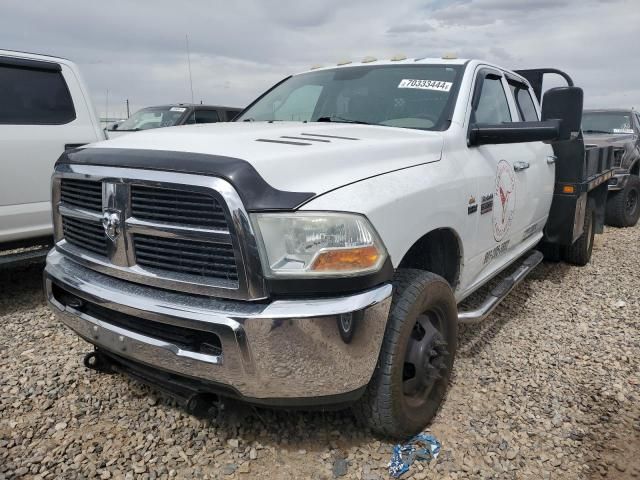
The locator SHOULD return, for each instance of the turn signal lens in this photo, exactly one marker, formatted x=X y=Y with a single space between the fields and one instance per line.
x=346 y=259
x=568 y=189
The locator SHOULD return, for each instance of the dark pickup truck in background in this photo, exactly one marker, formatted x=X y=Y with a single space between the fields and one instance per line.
x=172 y=116
x=620 y=129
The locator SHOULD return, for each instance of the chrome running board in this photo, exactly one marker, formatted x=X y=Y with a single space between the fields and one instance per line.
x=501 y=290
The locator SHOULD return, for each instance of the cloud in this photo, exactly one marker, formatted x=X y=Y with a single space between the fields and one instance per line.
x=137 y=50
x=411 y=28
x=490 y=12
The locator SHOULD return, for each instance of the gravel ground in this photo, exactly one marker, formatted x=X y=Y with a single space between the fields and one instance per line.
x=548 y=387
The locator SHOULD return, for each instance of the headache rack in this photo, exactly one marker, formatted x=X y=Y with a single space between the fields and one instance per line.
x=582 y=175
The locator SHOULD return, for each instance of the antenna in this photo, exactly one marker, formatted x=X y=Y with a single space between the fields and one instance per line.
x=189 y=64
x=106 y=113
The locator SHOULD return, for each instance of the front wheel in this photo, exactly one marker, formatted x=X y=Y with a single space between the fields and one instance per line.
x=623 y=207
x=416 y=358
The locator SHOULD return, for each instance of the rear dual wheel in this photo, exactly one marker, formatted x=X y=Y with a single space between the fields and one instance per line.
x=580 y=252
x=416 y=358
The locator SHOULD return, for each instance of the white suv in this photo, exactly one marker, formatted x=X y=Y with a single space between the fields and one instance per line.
x=45 y=110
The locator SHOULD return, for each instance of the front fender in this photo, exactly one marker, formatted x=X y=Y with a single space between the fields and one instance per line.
x=405 y=205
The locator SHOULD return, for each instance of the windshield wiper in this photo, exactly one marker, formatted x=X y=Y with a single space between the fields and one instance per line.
x=337 y=119
x=596 y=131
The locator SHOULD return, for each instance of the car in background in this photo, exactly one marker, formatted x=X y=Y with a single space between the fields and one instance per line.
x=44 y=110
x=619 y=128
x=171 y=116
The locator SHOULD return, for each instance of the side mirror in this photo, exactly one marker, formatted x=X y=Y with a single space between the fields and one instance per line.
x=564 y=104
x=114 y=127
x=514 y=132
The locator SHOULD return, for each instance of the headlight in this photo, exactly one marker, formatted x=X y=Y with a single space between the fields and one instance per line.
x=318 y=244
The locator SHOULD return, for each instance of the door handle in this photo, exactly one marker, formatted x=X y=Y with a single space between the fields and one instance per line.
x=551 y=159
x=519 y=166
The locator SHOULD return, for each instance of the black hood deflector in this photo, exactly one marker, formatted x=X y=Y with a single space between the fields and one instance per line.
x=256 y=193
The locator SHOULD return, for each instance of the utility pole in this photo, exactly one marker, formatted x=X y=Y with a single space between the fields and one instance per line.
x=189 y=64
x=128 y=114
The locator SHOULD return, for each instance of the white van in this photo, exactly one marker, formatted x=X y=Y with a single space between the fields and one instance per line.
x=45 y=109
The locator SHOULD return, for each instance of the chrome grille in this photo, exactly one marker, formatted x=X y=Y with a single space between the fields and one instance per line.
x=85 y=194
x=170 y=230
x=177 y=206
x=214 y=260
x=85 y=234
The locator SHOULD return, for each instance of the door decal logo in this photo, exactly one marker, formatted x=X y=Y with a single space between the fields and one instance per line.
x=472 y=205
x=506 y=204
x=487 y=204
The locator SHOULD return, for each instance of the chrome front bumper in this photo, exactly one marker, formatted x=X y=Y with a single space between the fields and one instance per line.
x=286 y=349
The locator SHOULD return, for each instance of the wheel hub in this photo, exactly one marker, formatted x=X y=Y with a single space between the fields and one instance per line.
x=425 y=360
x=632 y=201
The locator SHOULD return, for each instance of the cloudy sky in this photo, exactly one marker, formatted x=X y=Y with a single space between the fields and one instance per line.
x=136 y=49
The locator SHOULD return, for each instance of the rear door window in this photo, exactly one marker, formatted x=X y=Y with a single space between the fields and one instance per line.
x=524 y=102
x=30 y=96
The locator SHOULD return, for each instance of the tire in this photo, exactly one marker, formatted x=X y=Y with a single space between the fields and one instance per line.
x=623 y=207
x=580 y=252
x=423 y=326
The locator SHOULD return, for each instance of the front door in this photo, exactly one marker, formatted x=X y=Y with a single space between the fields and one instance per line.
x=502 y=199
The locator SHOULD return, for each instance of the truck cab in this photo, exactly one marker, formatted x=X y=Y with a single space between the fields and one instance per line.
x=314 y=251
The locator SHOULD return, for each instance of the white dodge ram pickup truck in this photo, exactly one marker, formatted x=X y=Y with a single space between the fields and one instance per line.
x=314 y=252
x=44 y=109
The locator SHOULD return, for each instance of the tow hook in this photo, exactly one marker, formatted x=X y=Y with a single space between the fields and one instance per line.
x=204 y=405
x=98 y=362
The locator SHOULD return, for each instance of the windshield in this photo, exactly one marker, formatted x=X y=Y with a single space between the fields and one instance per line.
x=606 y=122
x=152 y=117
x=408 y=96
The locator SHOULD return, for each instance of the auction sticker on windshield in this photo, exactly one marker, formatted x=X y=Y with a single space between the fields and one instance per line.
x=177 y=109
x=425 y=84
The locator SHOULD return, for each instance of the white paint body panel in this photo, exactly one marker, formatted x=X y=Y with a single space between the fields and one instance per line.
x=407 y=182
x=29 y=153
x=316 y=168
x=405 y=205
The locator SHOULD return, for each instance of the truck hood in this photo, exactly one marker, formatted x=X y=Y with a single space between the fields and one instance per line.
x=296 y=156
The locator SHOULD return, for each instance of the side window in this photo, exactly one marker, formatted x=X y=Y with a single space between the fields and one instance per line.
x=524 y=102
x=231 y=114
x=34 y=97
x=191 y=119
x=206 y=116
x=638 y=119
x=492 y=105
